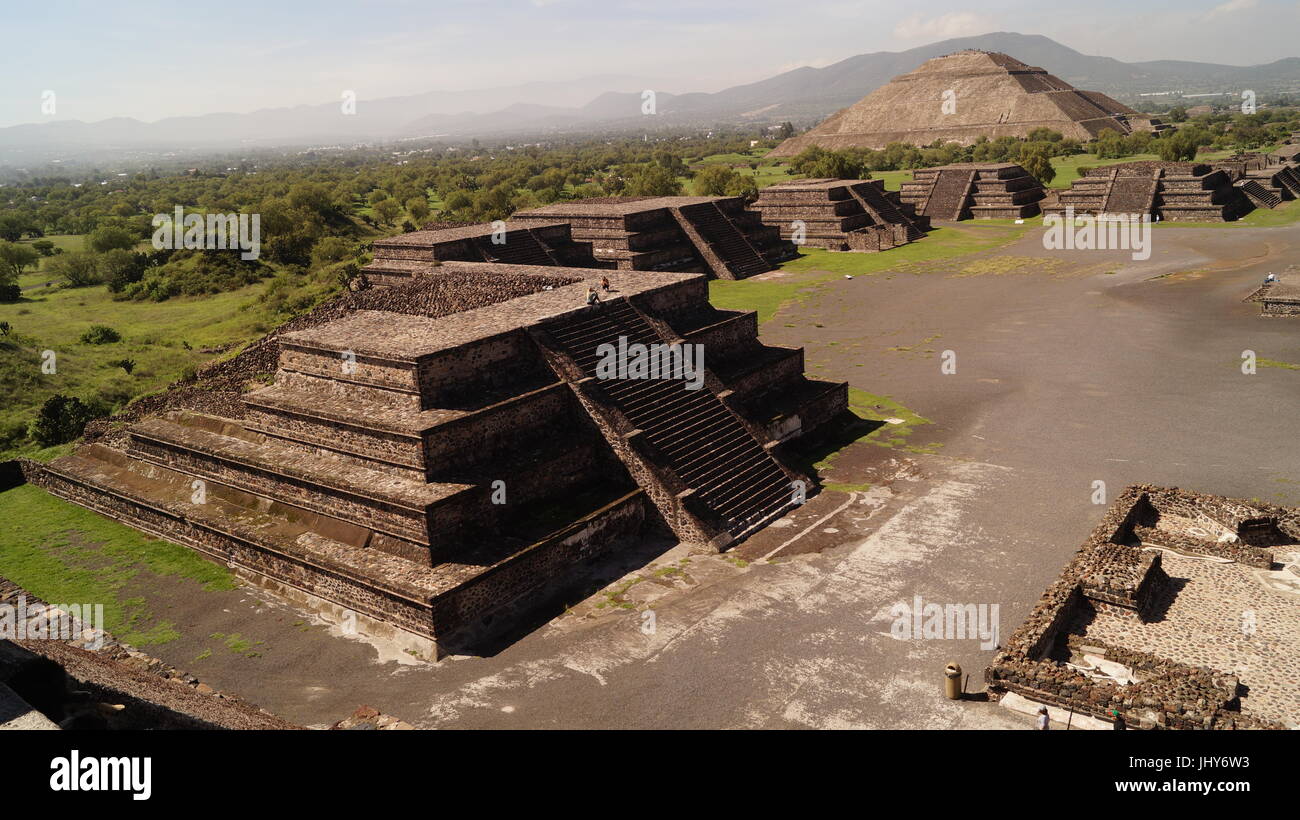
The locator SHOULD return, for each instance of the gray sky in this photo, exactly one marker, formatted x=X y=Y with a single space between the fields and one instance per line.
x=150 y=60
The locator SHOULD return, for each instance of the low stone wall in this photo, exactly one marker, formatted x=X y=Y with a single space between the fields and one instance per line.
x=461 y=615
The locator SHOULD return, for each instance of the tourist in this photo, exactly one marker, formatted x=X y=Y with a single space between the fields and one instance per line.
x=593 y=298
x=604 y=283
x=1270 y=279
x=1042 y=718
x=1118 y=725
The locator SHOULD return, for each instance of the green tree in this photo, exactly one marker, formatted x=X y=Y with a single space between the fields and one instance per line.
x=1110 y=145
x=14 y=259
x=78 y=268
x=60 y=420
x=120 y=268
x=652 y=180
x=1038 y=164
x=387 y=210
x=418 y=208
x=13 y=225
x=1181 y=147
x=108 y=237
x=712 y=180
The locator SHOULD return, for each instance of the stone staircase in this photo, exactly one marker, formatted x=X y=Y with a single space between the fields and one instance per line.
x=520 y=248
x=874 y=202
x=1132 y=194
x=947 y=199
x=1258 y=194
x=1290 y=179
x=690 y=433
x=733 y=250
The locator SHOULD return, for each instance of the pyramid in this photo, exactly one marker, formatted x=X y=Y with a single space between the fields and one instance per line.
x=992 y=95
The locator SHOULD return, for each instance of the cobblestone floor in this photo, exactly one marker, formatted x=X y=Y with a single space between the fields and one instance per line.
x=1229 y=617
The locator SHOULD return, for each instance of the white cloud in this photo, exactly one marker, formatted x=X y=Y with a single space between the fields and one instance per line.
x=1231 y=7
x=952 y=24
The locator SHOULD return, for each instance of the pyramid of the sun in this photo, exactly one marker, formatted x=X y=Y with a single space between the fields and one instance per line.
x=964 y=96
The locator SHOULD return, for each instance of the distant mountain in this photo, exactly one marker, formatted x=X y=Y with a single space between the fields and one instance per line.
x=614 y=103
x=816 y=92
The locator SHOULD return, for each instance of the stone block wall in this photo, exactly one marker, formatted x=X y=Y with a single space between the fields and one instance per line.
x=1111 y=571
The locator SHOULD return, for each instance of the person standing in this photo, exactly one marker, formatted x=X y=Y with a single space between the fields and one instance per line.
x=1043 y=718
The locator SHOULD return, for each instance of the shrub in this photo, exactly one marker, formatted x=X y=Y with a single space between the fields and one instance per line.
x=109 y=237
x=12 y=434
x=10 y=293
x=121 y=268
x=100 y=335
x=331 y=249
x=61 y=419
x=78 y=269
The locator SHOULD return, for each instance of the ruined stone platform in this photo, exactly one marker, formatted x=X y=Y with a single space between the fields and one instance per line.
x=1000 y=190
x=424 y=471
x=714 y=235
x=1166 y=191
x=840 y=214
x=1181 y=611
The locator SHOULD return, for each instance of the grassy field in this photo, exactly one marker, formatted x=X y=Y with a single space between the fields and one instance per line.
x=65 y=554
x=768 y=172
x=798 y=278
x=153 y=334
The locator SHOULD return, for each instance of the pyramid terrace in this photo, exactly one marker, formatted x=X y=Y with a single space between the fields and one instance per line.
x=840 y=214
x=434 y=451
x=973 y=191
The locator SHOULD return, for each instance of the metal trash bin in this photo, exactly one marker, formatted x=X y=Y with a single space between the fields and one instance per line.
x=952 y=681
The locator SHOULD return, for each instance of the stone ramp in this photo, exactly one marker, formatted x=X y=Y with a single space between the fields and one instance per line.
x=947 y=197
x=726 y=250
x=693 y=434
x=1132 y=194
x=715 y=235
x=1170 y=191
x=1258 y=194
x=874 y=201
x=838 y=215
x=1290 y=179
x=546 y=243
x=526 y=248
x=973 y=191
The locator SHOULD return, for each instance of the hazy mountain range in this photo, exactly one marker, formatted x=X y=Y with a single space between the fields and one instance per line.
x=614 y=103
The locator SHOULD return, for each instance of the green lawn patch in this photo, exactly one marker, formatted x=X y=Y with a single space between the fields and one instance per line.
x=154 y=335
x=1277 y=364
x=815 y=266
x=63 y=553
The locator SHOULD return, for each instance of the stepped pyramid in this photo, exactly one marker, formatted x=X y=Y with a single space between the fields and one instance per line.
x=1000 y=190
x=989 y=95
x=708 y=234
x=428 y=455
x=1169 y=191
x=840 y=214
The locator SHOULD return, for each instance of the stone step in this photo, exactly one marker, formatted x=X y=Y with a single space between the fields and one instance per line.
x=321 y=482
x=736 y=480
